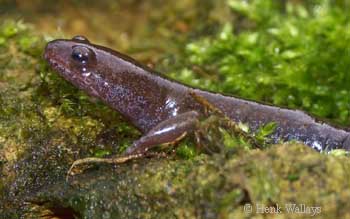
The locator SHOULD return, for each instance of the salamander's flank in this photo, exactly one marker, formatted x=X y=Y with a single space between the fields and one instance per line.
x=165 y=110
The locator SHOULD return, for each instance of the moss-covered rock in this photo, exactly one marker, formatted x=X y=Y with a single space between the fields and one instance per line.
x=43 y=126
x=206 y=187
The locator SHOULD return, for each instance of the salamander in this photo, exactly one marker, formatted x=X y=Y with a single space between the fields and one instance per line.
x=164 y=110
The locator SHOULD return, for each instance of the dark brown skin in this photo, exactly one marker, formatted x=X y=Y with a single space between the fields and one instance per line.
x=164 y=110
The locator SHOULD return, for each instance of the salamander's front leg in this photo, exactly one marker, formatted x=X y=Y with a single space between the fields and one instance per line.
x=168 y=131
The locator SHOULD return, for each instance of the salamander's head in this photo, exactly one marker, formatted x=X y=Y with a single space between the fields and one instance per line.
x=91 y=67
x=99 y=71
x=88 y=66
x=73 y=59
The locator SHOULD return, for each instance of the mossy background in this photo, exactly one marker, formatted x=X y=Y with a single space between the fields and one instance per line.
x=290 y=53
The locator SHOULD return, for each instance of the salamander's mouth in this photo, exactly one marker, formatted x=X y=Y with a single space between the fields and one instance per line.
x=55 y=65
x=59 y=68
x=54 y=55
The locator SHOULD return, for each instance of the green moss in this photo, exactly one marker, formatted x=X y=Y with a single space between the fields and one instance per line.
x=186 y=150
x=11 y=28
x=293 y=55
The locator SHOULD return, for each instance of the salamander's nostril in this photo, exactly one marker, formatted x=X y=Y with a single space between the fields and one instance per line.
x=49 y=46
x=48 y=50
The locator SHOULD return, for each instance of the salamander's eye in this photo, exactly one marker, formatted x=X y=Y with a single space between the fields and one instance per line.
x=83 y=58
x=81 y=54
